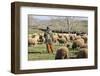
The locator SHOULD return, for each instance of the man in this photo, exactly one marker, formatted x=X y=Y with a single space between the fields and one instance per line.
x=48 y=39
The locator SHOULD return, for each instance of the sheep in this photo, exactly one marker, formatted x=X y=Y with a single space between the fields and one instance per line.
x=62 y=53
x=72 y=37
x=67 y=37
x=84 y=46
x=62 y=40
x=78 y=37
x=83 y=53
x=41 y=39
x=78 y=43
x=85 y=38
x=33 y=39
x=60 y=35
x=55 y=37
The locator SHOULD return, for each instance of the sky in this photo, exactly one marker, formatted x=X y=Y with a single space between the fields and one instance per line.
x=42 y=17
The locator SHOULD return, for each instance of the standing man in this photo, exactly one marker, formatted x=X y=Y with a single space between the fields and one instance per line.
x=48 y=39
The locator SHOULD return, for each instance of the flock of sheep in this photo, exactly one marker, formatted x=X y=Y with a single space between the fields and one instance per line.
x=71 y=40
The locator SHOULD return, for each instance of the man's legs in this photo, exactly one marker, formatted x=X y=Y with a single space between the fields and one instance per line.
x=51 y=47
x=48 y=48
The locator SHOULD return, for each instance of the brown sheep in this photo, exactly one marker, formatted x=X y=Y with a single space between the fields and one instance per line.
x=33 y=40
x=41 y=39
x=62 y=53
x=67 y=37
x=55 y=37
x=72 y=37
x=60 y=35
x=78 y=37
x=62 y=40
x=78 y=43
x=83 y=53
x=85 y=38
x=84 y=46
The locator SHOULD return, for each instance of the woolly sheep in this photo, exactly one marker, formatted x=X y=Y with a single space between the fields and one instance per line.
x=62 y=53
